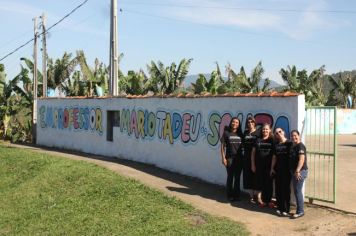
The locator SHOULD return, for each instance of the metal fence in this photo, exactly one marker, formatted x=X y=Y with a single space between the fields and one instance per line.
x=321 y=142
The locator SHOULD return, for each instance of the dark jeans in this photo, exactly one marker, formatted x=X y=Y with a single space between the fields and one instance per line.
x=234 y=169
x=283 y=179
x=297 y=187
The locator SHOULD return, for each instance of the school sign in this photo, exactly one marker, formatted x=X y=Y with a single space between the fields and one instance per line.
x=178 y=134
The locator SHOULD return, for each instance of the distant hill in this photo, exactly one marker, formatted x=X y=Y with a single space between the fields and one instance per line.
x=192 y=78
x=344 y=73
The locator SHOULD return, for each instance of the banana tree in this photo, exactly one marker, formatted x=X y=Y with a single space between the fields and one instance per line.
x=248 y=84
x=200 y=85
x=94 y=77
x=12 y=97
x=344 y=86
x=27 y=79
x=60 y=70
x=165 y=80
x=135 y=83
x=214 y=85
x=312 y=85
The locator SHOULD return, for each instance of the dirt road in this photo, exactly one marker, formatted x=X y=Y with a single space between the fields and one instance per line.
x=210 y=198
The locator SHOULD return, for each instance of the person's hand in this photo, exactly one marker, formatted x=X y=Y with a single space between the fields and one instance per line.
x=224 y=161
x=298 y=176
x=253 y=168
x=272 y=172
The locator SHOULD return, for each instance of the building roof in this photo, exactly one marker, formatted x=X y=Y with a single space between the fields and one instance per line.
x=187 y=95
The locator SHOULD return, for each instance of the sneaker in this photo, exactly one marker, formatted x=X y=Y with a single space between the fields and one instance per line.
x=279 y=212
x=285 y=214
x=297 y=215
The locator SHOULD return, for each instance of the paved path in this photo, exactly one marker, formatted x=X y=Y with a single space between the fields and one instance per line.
x=210 y=198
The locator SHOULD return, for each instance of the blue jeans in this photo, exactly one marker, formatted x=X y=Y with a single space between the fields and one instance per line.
x=297 y=187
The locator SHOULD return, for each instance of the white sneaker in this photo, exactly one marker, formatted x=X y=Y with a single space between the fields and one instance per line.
x=297 y=215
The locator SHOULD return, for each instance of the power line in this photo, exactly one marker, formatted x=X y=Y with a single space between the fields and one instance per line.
x=14 y=38
x=29 y=41
x=209 y=26
x=241 y=8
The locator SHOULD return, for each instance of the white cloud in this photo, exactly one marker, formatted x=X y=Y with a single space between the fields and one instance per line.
x=19 y=8
x=308 y=22
x=216 y=13
x=68 y=24
x=297 y=25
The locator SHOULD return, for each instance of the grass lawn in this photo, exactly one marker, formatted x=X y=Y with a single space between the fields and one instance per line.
x=45 y=195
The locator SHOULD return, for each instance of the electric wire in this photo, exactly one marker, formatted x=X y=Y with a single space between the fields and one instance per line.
x=211 y=26
x=14 y=38
x=240 y=8
x=48 y=29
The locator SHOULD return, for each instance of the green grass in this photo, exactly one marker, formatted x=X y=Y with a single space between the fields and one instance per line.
x=45 y=195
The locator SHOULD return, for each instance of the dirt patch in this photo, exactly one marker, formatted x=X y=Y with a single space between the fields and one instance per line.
x=196 y=220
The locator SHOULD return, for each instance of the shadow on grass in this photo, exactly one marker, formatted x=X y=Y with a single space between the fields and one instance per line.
x=190 y=185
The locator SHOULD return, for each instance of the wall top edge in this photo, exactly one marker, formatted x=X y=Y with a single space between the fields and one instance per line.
x=272 y=94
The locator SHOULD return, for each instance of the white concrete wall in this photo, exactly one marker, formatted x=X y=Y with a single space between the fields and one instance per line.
x=346 y=121
x=193 y=152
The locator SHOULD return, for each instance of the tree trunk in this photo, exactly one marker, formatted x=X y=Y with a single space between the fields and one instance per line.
x=6 y=125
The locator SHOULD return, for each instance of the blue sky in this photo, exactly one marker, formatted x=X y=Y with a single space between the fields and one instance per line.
x=304 y=33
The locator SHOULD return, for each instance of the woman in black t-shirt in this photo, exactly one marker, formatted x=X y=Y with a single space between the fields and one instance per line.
x=280 y=169
x=250 y=136
x=231 y=156
x=299 y=171
x=261 y=160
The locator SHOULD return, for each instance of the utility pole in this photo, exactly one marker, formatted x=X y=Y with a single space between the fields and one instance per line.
x=34 y=111
x=44 y=56
x=114 y=67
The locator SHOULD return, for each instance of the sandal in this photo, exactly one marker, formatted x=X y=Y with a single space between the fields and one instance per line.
x=261 y=204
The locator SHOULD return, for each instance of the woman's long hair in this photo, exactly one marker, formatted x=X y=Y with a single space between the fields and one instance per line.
x=239 y=129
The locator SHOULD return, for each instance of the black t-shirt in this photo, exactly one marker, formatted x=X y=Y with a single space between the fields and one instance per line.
x=298 y=149
x=232 y=143
x=282 y=152
x=264 y=149
x=249 y=141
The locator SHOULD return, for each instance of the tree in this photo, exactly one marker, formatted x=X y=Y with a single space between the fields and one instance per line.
x=30 y=68
x=60 y=71
x=312 y=86
x=134 y=83
x=200 y=85
x=10 y=102
x=165 y=80
x=240 y=82
x=75 y=86
x=345 y=86
x=215 y=84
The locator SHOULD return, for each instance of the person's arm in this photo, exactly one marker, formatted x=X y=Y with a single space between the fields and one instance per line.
x=253 y=161
x=299 y=166
x=223 y=156
x=274 y=160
